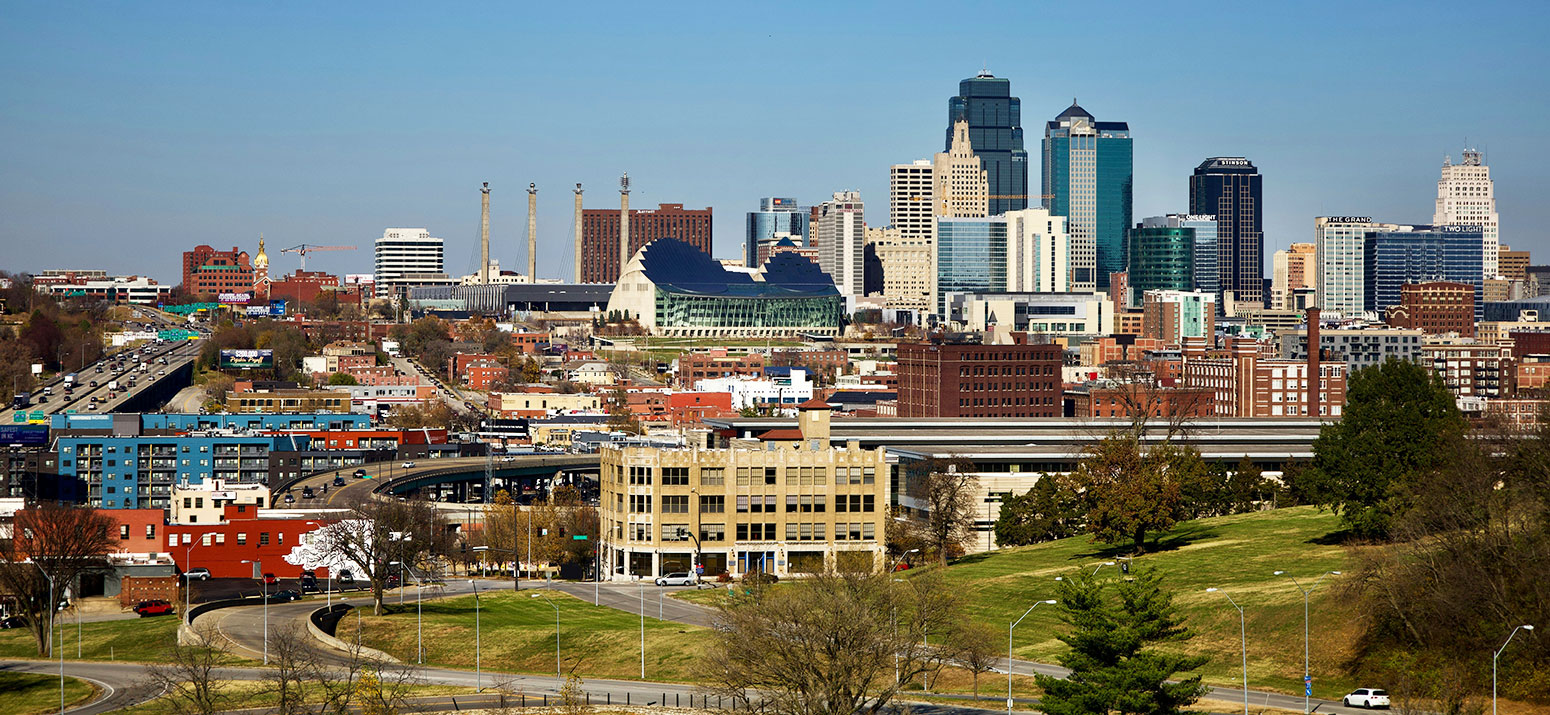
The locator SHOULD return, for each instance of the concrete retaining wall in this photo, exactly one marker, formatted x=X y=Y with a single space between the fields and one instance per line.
x=323 y=620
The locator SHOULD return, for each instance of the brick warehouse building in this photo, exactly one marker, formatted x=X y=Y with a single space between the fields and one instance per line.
x=1436 y=307
x=600 y=236
x=972 y=380
x=243 y=535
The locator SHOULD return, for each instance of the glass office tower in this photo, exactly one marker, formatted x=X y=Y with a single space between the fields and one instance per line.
x=1418 y=254
x=996 y=133
x=1229 y=187
x=776 y=215
x=970 y=257
x=1088 y=172
x=1162 y=257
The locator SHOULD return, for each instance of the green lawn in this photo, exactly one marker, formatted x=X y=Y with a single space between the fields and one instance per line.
x=236 y=694
x=138 y=639
x=517 y=635
x=1237 y=554
x=31 y=693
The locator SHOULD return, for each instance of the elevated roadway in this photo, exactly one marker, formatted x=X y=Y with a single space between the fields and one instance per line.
x=441 y=480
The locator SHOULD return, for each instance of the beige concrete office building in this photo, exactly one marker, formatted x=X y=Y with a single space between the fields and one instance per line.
x=786 y=503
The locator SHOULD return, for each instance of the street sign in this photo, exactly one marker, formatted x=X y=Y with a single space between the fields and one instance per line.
x=1307 y=685
x=579 y=537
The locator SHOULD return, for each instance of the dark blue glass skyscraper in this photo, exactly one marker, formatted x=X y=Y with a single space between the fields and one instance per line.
x=1230 y=188
x=1419 y=254
x=996 y=133
x=775 y=215
x=1088 y=171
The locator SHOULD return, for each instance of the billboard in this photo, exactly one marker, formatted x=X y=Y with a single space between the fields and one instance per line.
x=23 y=434
x=247 y=359
x=277 y=307
x=235 y=298
x=259 y=311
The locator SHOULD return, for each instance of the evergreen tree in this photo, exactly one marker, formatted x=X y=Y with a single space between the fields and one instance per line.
x=1397 y=423
x=1115 y=665
x=1048 y=511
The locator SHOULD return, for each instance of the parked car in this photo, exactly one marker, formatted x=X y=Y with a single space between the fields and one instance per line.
x=13 y=622
x=269 y=578
x=153 y=608
x=284 y=595
x=197 y=574
x=309 y=581
x=345 y=578
x=1367 y=698
x=391 y=582
x=677 y=578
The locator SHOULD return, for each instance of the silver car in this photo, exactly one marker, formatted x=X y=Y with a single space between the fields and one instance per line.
x=677 y=578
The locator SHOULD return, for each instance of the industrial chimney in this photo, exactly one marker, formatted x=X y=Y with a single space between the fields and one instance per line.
x=624 y=223
x=578 y=233
x=1313 y=362
x=484 y=234
x=532 y=233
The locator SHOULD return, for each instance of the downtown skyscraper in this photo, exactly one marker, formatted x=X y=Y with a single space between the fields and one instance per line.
x=1229 y=187
x=996 y=133
x=1088 y=175
x=1466 y=196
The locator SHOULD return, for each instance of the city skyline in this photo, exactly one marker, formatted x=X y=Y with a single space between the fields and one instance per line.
x=135 y=133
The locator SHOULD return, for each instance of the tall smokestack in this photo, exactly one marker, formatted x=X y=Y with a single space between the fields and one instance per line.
x=624 y=222
x=484 y=234
x=578 y=233
x=532 y=233
x=1313 y=362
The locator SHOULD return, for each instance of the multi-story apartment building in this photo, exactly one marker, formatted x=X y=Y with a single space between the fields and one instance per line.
x=1118 y=399
x=693 y=367
x=1466 y=196
x=972 y=380
x=1292 y=269
x=130 y=472
x=1356 y=347
x=1434 y=308
x=408 y=257
x=284 y=401
x=600 y=235
x=1247 y=384
x=208 y=271
x=840 y=228
x=1469 y=368
x=1340 y=247
x=788 y=504
x=1038 y=252
x=1172 y=315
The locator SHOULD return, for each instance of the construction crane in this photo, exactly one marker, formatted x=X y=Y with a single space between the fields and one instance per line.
x=306 y=248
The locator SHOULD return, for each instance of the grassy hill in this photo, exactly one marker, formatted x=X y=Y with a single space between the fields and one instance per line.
x=1237 y=554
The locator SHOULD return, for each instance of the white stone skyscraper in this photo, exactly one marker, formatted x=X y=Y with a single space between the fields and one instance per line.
x=1466 y=197
x=408 y=257
x=952 y=184
x=841 y=232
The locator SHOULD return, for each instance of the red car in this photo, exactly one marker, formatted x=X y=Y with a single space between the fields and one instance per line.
x=270 y=579
x=153 y=608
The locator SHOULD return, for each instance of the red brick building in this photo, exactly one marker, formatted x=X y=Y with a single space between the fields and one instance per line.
x=1434 y=308
x=307 y=286
x=208 y=271
x=968 y=380
x=1124 y=400
x=600 y=235
x=693 y=367
x=244 y=535
x=1246 y=383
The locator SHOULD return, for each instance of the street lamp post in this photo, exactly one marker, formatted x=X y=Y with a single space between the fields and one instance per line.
x=188 y=583
x=1009 y=650
x=556 y=632
x=477 y=685
x=264 y=587
x=51 y=606
x=1243 y=635
x=1307 y=681
x=642 y=629
x=893 y=613
x=1494 y=656
x=1099 y=566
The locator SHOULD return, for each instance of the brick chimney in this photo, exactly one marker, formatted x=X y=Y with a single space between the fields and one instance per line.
x=1313 y=361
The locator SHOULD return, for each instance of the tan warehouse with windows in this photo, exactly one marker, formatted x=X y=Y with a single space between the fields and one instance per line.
x=787 y=503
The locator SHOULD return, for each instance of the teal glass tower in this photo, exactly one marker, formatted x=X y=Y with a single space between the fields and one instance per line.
x=1088 y=172
x=996 y=133
x=1162 y=257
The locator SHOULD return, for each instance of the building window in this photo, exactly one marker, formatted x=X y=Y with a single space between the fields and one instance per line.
x=675 y=476
x=675 y=504
x=713 y=532
x=242 y=539
x=263 y=538
x=712 y=476
x=713 y=504
x=150 y=531
x=123 y=532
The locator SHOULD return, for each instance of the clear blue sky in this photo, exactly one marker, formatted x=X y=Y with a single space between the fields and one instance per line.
x=132 y=131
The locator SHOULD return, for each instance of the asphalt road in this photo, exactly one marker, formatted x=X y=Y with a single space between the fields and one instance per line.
x=176 y=354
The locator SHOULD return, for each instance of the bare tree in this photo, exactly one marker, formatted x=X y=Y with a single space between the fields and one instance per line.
x=947 y=488
x=383 y=687
x=976 y=650
x=187 y=676
x=290 y=655
x=840 y=645
x=380 y=531
x=51 y=544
